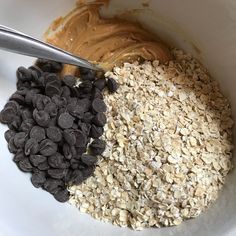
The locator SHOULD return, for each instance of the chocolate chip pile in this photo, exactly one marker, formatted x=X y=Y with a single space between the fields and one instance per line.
x=54 y=126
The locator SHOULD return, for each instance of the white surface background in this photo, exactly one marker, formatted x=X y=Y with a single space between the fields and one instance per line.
x=210 y=25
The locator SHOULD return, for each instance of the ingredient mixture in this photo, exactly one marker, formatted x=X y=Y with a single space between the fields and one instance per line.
x=168 y=146
x=166 y=130
x=51 y=123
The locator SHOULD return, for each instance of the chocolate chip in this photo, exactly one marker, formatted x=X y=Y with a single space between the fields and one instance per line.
x=22 y=91
x=36 y=90
x=96 y=93
x=23 y=84
x=31 y=146
x=95 y=131
x=23 y=74
x=65 y=92
x=36 y=69
x=61 y=110
x=84 y=71
x=80 y=151
x=57 y=161
x=75 y=110
x=85 y=103
x=19 y=156
x=62 y=195
x=54 y=133
x=11 y=146
x=84 y=127
x=52 y=78
x=37 y=133
x=19 y=139
x=41 y=81
x=41 y=101
x=89 y=159
x=73 y=151
x=100 y=83
x=112 y=85
x=34 y=77
x=41 y=117
x=51 y=185
x=74 y=126
x=69 y=137
x=56 y=82
x=49 y=66
x=51 y=109
x=44 y=65
x=52 y=122
x=65 y=120
x=100 y=119
x=26 y=114
x=74 y=164
x=81 y=138
x=75 y=92
x=29 y=97
x=68 y=151
x=39 y=62
x=9 y=134
x=7 y=115
x=13 y=104
x=73 y=101
x=27 y=124
x=47 y=147
x=57 y=173
x=87 y=74
x=69 y=80
x=86 y=86
x=59 y=101
x=37 y=159
x=16 y=123
x=97 y=147
x=43 y=166
x=87 y=117
x=56 y=67
x=56 y=86
x=38 y=178
x=34 y=99
x=52 y=90
x=88 y=171
x=18 y=98
x=25 y=165
x=76 y=177
x=98 y=105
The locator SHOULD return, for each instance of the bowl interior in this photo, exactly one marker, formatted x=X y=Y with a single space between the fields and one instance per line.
x=27 y=211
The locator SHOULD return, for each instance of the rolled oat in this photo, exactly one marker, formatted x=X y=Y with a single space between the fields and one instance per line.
x=168 y=146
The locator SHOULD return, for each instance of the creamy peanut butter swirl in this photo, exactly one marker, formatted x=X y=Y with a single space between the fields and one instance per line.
x=108 y=42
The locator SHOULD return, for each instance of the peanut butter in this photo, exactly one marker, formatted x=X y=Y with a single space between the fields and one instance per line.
x=108 y=42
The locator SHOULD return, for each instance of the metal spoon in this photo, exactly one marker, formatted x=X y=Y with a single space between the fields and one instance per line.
x=17 y=42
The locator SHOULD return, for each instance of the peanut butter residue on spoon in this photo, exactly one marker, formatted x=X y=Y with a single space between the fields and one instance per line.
x=108 y=42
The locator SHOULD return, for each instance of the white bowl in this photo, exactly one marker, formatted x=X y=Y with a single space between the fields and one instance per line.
x=204 y=28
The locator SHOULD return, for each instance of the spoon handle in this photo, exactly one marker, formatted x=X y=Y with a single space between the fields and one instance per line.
x=17 y=42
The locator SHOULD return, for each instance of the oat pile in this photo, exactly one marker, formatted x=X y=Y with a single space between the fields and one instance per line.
x=168 y=146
